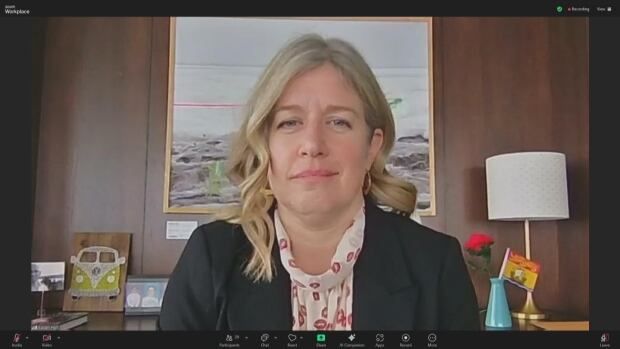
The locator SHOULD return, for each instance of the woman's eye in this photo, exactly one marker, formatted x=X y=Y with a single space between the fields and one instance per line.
x=341 y=123
x=287 y=123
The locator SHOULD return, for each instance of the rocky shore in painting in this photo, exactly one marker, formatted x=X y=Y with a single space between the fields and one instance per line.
x=198 y=175
x=198 y=170
x=410 y=160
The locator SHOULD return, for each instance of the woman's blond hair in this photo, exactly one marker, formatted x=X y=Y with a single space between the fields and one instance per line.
x=249 y=158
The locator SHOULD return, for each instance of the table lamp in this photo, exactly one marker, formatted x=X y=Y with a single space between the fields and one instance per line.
x=527 y=186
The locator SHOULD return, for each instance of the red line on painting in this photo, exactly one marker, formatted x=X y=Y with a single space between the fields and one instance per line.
x=209 y=105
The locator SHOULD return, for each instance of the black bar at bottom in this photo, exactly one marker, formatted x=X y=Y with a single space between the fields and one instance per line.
x=313 y=340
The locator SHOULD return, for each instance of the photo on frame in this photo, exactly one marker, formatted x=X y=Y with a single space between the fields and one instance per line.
x=144 y=294
x=47 y=276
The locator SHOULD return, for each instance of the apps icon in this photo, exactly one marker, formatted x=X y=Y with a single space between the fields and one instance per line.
x=605 y=338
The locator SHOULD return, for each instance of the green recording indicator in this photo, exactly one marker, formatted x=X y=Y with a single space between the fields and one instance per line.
x=320 y=337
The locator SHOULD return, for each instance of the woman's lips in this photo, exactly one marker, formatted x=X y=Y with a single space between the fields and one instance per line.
x=314 y=174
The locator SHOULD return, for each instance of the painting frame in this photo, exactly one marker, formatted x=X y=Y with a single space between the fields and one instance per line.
x=430 y=191
x=141 y=283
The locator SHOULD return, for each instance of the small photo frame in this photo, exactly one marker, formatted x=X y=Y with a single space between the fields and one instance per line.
x=144 y=294
x=47 y=276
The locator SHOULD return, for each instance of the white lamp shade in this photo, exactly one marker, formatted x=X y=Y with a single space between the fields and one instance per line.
x=529 y=185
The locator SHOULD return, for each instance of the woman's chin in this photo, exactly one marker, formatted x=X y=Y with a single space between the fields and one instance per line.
x=317 y=202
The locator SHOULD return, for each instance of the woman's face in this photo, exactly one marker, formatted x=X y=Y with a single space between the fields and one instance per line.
x=319 y=143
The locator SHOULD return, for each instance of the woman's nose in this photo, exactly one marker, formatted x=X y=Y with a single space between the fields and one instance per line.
x=313 y=141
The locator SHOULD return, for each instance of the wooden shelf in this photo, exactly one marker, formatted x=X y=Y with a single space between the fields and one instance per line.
x=119 y=322
x=122 y=322
x=528 y=325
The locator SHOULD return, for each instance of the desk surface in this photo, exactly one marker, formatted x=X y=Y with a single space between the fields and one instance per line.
x=118 y=322
x=527 y=325
x=121 y=322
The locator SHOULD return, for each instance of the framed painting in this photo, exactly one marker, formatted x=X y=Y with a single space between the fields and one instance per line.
x=215 y=62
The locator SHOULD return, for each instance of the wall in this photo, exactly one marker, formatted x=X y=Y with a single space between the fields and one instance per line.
x=501 y=85
x=506 y=85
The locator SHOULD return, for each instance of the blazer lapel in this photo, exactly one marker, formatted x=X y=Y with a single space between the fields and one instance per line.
x=262 y=305
x=384 y=296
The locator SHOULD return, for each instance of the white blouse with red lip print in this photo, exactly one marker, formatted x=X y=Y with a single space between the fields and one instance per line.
x=323 y=302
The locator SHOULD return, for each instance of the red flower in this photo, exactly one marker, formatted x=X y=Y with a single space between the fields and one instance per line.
x=477 y=242
x=479 y=245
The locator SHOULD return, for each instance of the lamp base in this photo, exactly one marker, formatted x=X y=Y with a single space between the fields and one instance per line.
x=526 y=316
x=529 y=311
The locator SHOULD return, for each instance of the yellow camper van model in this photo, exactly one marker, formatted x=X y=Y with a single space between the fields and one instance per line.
x=96 y=272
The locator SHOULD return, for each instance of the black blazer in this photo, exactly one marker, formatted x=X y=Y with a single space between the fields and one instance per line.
x=407 y=277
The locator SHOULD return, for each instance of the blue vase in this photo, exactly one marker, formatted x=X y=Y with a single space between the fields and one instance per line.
x=498 y=313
